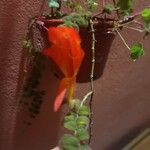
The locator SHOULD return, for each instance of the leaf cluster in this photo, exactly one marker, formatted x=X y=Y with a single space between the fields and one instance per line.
x=79 y=15
x=125 y=6
x=53 y=3
x=76 y=122
x=76 y=20
x=146 y=18
x=136 y=51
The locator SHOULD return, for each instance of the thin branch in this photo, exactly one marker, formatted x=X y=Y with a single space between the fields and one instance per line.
x=82 y=102
x=85 y=98
x=137 y=14
x=117 y=10
x=138 y=23
x=92 y=76
x=123 y=40
x=92 y=83
x=93 y=54
x=135 y=29
x=114 y=1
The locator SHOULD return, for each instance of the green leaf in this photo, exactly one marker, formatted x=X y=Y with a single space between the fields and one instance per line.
x=58 y=14
x=69 y=118
x=82 y=120
x=147 y=30
x=147 y=27
x=27 y=44
x=92 y=5
x=70 y=24
x=84 y=111
x=53 y=4
x=69 y=142
x=146 y=15
x=125 y=6
x=70 y=123
x=75 y=19
x=82 y=134
x=136 y=51
x=75 y=104
x=108 y=8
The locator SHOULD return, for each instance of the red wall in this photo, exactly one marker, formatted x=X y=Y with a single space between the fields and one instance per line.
x=121 y=100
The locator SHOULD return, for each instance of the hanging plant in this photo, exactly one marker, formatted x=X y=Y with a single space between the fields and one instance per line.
x=66 y=51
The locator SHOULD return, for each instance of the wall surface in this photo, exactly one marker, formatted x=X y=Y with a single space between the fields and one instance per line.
x=122 y=88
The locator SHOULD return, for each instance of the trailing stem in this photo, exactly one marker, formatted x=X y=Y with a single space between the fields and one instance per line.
x=92 y=76
x=135 y=29
x=123 y=40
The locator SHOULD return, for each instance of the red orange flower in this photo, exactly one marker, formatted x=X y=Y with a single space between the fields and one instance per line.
x=67 y=53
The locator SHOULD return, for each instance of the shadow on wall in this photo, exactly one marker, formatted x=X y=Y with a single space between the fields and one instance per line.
x=39 y=131
x=42 y=131
x=126 y=139
x=103 y=44
x=45 y=127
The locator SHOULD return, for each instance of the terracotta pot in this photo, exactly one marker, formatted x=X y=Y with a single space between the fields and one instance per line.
x=103 y=44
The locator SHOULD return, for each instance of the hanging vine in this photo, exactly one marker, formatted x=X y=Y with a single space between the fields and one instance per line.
x=79 y=118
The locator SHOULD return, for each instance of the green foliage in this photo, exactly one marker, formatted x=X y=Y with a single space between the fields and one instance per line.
x=27 y=44
x=84 y=147
x=80 y=16
x=53 y=4
x=109 y=8
x=69 y=142
x=84 y=111
x=77 y=7
x=76 y=20
x=82 y=134
x=75 y=104
x=125 y=6
x=82 y=120
x=76 y=122
x=70 y=122
x=92 y=5
x=147 y=28
x=146 y=15
x=136 y=51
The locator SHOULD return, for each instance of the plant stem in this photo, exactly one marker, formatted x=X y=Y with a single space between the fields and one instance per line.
x=82 y=102
x=93 y=54
x=85 y=98
x=132 y=28
x=123 y=40
x=138 y=23
x=114 y=1
x=131 y=17
x=117 y=11
x=92 y=77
